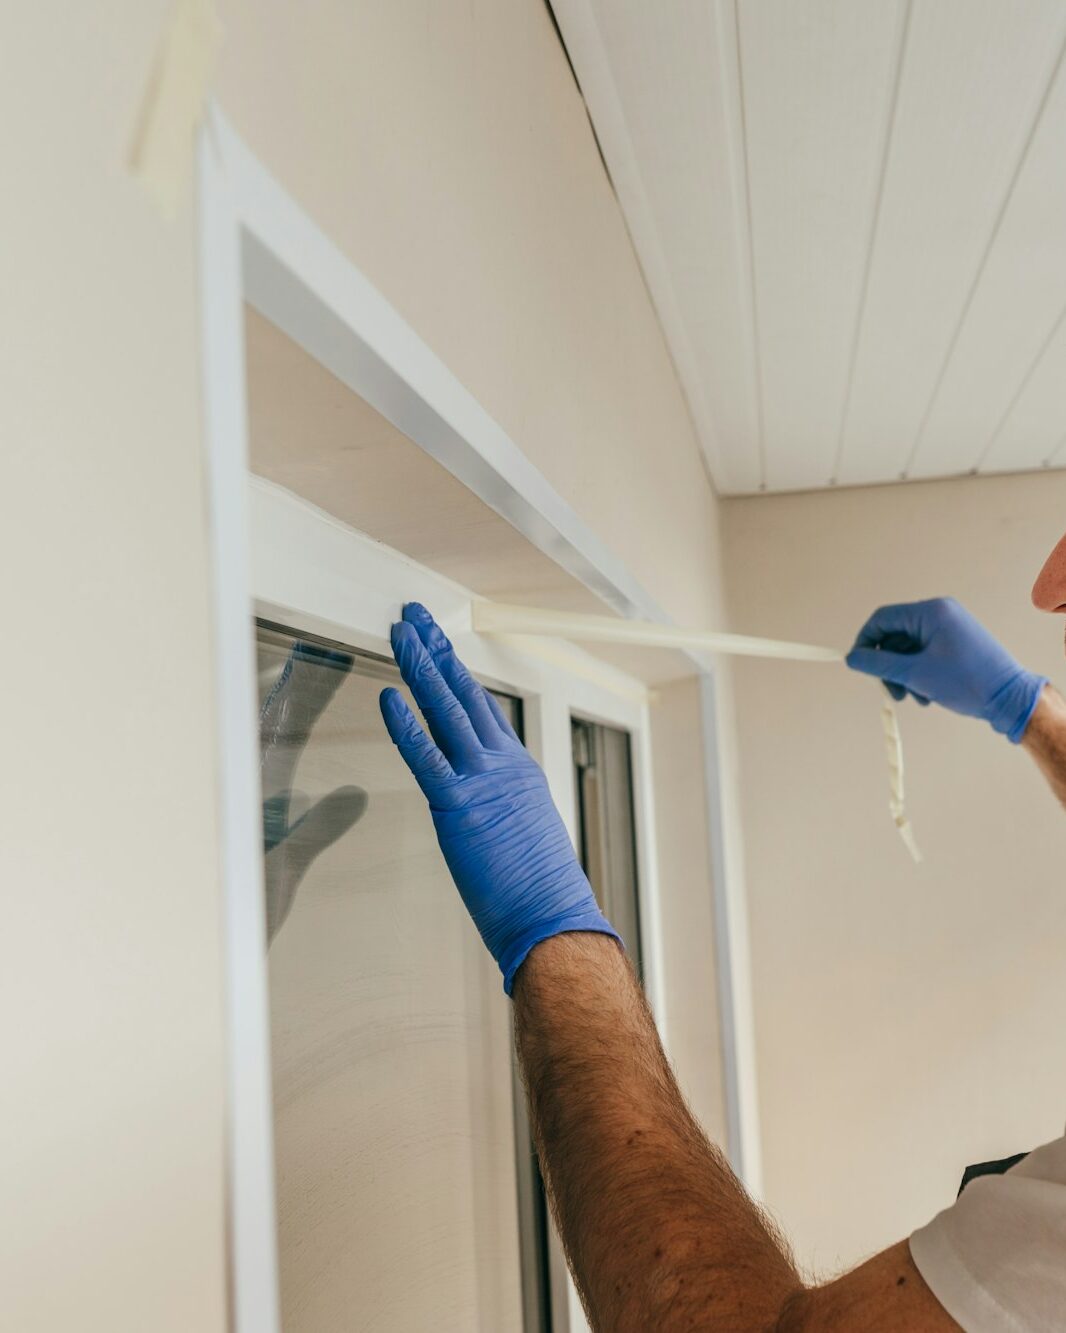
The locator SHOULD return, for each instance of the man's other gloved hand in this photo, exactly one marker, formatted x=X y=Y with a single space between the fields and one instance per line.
x=937 y=652
x=501 y=835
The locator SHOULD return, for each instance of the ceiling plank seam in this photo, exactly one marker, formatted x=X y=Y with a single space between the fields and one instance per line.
x=875 y=223
x=1016 y=396
x=581 y=36
x=983 y=262
x=756 y=343
x=581 y=93
x=1055 y=457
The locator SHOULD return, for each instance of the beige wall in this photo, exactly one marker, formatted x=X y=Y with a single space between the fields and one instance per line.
x=686 y=918
x=909 y=1019
x=445 y=148
x=111 y=1013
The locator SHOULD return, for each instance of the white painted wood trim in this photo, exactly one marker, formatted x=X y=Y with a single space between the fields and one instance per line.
x=298 y=279
x=649 y=901
x=318 y=574
x=257 y=246
x=313 y=573
x=732 y=954
x=252 y=1233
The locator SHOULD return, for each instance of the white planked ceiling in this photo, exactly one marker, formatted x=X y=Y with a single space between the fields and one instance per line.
x=852 y=219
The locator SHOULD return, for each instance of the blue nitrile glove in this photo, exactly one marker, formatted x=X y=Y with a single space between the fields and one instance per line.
x=501 y=835
x=937 y=652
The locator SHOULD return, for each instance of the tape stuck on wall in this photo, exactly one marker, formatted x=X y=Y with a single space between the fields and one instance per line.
x=500 y=618
x=165 y=138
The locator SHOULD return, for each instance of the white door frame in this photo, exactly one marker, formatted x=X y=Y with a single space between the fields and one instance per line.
x=258 y=247
x=313 y=574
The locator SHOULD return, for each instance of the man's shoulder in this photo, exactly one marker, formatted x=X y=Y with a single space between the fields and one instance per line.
x=996 y=1258
x=1048 y=1162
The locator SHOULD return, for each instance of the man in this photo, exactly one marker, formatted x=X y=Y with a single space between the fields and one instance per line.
x=659 y=1233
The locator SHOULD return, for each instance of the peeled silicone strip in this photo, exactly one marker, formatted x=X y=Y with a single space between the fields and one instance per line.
x=500 y=618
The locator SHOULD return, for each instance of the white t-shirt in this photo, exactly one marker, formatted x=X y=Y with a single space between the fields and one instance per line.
x=996 y=1259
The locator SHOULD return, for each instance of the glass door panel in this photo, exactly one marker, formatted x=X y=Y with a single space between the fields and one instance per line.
x=391 y=1041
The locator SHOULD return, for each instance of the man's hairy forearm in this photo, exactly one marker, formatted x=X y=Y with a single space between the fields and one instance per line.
x=1045 y=739
x=659 y=1232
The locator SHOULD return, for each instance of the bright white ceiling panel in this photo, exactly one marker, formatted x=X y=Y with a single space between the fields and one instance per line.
x=818 y=79
x=1016 y=310
x=851 y=215
x=973 y=81
x=1034 y=433
x=660 y=82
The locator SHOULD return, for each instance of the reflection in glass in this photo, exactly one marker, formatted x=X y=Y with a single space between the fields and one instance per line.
x=393 y=1112
x=294 y=831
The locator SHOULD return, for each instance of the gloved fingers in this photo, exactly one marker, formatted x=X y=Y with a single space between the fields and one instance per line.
x=881 y=663
x=901 y=692
x=898 y=619
x=502 y=720
x=462 y=684
x=427 y=764
x=896 y=641
x=445 y=716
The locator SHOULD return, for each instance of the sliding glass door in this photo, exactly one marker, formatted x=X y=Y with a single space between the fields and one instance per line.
x=391 y=1042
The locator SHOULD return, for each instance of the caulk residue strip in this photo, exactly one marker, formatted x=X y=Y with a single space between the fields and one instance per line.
x=894 y=754
x=498 y=618
x=163 y=146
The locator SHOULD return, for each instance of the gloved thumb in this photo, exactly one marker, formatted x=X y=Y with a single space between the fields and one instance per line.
x=880 y=663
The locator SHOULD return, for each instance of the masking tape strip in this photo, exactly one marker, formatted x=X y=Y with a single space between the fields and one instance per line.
x=500 y=618
x=164 y=143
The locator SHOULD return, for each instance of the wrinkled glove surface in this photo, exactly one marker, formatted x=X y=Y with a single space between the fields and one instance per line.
x=505 y=844
x=937 y=652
